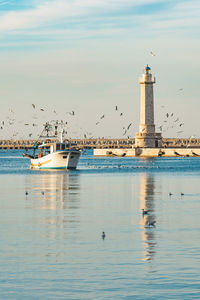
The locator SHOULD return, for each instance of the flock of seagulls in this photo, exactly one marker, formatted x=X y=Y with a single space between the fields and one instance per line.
x=152 y=223
x=125 y=129
x=171 y=121
x=27 y=193
x=10 y=120
x=170 y=194
x=149 y=223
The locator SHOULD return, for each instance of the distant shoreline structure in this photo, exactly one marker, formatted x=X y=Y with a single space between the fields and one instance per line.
x=104 y=143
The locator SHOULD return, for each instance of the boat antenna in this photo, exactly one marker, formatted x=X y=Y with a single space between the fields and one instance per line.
x=46 y=129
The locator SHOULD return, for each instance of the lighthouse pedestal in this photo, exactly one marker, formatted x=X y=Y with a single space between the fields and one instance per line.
x=148 y=140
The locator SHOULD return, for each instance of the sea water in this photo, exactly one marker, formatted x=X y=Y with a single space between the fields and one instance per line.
x=51 y=225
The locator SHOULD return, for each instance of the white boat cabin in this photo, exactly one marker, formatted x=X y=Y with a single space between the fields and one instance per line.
x=48 y=148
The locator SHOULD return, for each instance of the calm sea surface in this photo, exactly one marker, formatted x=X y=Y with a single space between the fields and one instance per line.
x=50 y=239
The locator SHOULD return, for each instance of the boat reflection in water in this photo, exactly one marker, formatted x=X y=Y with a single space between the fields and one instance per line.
x=55 y=197
x=147 y=187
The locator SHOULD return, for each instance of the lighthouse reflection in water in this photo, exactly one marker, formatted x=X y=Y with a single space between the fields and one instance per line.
x=147 y=203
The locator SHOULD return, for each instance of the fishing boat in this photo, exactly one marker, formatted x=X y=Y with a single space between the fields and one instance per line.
x=48 y=154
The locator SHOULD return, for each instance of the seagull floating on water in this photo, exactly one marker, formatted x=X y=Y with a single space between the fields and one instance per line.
x=145 y=212
x=103 y=235
x=151 y=224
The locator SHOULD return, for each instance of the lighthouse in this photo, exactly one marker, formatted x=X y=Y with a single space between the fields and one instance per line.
x=147 y=137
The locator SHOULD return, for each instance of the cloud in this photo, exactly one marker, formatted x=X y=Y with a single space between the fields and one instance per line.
x=34 y=17
x=3 y=3
x=59 y=21
x=51 y=11
x=183 y=16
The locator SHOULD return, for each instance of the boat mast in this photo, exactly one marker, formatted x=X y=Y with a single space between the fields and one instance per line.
x=61 y=135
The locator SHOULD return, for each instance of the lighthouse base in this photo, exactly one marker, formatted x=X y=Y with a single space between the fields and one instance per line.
x=148 y=140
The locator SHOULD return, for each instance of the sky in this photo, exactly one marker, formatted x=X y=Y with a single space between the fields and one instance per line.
x=86 y=56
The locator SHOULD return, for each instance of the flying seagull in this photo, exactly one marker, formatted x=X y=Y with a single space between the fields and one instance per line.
x=129 y=126
x=71 y=113
x=152 y=54
x=125 y=132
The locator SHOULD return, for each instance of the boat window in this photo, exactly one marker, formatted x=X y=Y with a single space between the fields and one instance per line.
x=65 y=156
x=47 y=151
x=57 y=146
x=63 y=146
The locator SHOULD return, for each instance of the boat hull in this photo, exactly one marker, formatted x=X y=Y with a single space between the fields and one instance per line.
x=57 y=160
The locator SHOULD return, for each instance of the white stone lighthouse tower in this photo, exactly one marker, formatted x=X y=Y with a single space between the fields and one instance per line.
x=146 y=137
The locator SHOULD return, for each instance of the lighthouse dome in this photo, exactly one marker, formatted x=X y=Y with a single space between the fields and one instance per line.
x=147 y=70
